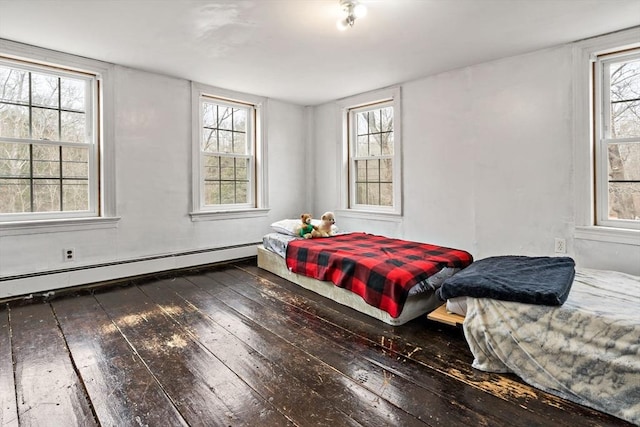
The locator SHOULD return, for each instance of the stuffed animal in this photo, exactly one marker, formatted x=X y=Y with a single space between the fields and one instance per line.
x=326 y=226
x=307 y=230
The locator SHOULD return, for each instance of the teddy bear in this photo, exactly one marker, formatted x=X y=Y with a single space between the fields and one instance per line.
x=326 y=226
x=307 y=229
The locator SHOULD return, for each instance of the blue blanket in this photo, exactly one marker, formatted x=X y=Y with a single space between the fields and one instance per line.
x=530 y=280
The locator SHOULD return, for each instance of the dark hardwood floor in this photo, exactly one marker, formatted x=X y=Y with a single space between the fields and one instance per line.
x=234 y=345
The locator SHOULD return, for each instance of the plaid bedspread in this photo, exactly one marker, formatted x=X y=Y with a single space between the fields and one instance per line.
x=379 y=269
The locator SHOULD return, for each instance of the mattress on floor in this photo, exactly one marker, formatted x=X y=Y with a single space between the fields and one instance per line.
x=586 y=351
x=421 y=298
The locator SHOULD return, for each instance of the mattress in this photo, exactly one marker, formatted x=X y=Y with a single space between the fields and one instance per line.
x=586 y=351
x=421 y=298
x=457 y=305
x=277 y=243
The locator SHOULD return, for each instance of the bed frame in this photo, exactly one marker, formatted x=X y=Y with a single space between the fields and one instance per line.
x=442 y=315
x=415 y=306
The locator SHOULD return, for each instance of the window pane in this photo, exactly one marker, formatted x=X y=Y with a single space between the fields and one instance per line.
x=374 y=182
x=373 y=170
x=212 y=193
x=374 y=121
x=624 y=162
x=44 y=124
x=625 y=122
x=75 y=162
x=75 y=195
x=44 y=90
x=210 y=140
x=14 y=121
x=373 y=194
x=227 y=168
x=225 y=139
x=227 y=193
x=14 y=85
x=387 y=143
x=624 y=168
x=361 y=170
x=15 y=195
x=72 y=94
x=375 y=147
x=14 y=160
x=240 y=120
x=374 y=132
x=386 y=194
x=362 y=120
x=387 y=119
x=46 y=195
x=242 y=195
x=242 y=170
x=73 y=127
x=240 y=143
x=386 y=170
x=211 y=168
x=362 y=146
x=624 y=200
x=625 y=92
x=224 y=117
x=209 y=115
x=361 y=194
x=46 y=161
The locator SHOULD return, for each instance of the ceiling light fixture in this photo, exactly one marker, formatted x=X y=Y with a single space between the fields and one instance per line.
x=350 y=10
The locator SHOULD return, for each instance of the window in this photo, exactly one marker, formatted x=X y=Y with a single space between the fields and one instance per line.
x=617 y=139
x=227 y=152
x=373 y=153
x=49 y=147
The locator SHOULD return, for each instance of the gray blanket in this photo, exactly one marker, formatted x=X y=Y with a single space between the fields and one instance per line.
x=587 y=350
x=530 y=280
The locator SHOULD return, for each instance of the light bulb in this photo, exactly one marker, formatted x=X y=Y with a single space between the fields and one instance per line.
x=342 y=24
x=360 y=10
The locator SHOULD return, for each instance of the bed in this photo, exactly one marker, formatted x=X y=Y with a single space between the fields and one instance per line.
x=586 y=350
x=391 y=280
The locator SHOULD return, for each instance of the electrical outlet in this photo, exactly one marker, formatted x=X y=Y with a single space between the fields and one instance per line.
x=561 y=246
x=68 y=254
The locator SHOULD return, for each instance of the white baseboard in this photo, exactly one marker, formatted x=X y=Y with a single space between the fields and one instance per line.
x=49 y=283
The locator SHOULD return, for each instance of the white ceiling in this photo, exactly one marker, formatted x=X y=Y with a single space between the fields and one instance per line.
x=291 y=49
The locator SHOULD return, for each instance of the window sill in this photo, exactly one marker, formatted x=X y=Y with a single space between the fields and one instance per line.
x=608 y=234
x=15 y=228
x=369 y=215
x=231 y=214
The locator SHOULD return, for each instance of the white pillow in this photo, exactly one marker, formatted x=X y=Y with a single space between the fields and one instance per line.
x=287 y=226
x=292 y=226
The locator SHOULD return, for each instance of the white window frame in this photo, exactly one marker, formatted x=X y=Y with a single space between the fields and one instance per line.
x=348 y=108
x=588 y=187
x=102 y=208
x=602 y=138
x=258 y=195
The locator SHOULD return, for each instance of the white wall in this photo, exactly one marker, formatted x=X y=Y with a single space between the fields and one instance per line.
x=487 y=161
x=488 y=167
x=152 y=138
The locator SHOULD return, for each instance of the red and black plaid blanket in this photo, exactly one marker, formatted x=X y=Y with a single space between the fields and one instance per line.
x=379 y=269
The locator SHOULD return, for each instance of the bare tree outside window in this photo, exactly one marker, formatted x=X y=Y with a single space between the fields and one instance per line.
x=373 y=156
x=44 y=143
x=226 y=151
x=623 y=140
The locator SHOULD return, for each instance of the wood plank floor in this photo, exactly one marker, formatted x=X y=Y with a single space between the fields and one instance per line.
x=233 y=345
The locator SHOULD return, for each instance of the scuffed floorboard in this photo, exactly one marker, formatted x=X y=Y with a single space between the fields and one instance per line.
x=235 y=345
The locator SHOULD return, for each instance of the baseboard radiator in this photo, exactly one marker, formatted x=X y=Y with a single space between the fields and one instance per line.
x=47 y=283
